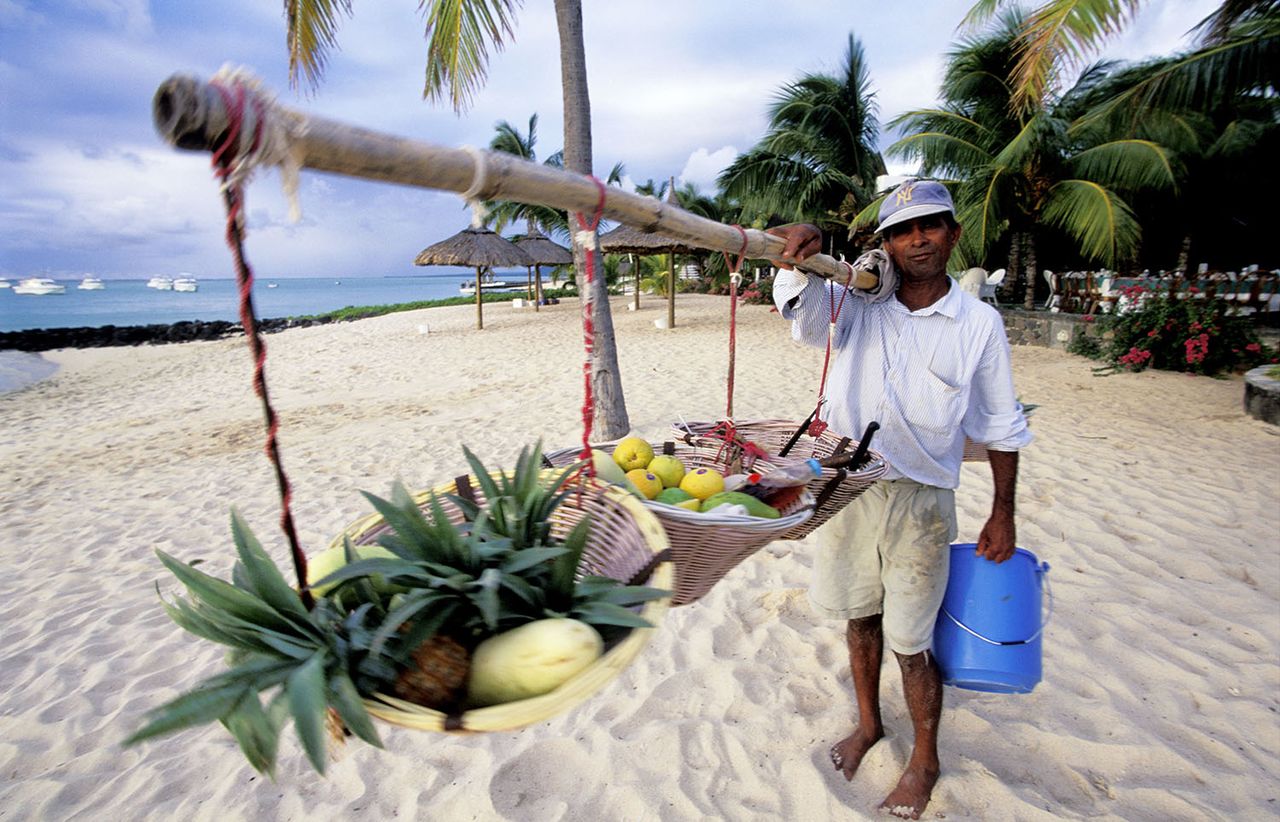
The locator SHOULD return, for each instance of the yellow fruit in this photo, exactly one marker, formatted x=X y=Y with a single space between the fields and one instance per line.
x=330 y=560
x=668 y=469
x=703 y=482
x=632 y=453
x=646 y=483
x=694 y=504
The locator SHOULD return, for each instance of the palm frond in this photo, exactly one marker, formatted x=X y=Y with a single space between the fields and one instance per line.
x=1129 y=164
x=1060 y=35
x=1096 y=218
x=459 y=36
x=312 y=31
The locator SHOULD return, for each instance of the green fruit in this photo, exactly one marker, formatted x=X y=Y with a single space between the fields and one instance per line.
x=330 y=560
x=607 y=469
x=754 y=507
x=672 y=496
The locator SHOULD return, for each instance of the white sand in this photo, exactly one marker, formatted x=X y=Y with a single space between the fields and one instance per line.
x=1154 y=499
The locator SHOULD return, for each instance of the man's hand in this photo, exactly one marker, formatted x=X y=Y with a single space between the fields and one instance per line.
x=803 y=241
x=998 y=539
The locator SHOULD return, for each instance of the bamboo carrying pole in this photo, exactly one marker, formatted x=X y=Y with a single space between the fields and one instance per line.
x=190 y=114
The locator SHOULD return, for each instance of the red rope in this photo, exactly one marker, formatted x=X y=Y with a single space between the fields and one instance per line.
x=733 y=317
x=819 y=425
x=233 y=197
x=588 y=325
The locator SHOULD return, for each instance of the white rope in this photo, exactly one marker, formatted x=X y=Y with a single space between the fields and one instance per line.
x=478 y=180
x=278 y=137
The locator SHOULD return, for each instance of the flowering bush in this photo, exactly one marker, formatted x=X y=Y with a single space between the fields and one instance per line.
x=1195 y=335
x=757 y=293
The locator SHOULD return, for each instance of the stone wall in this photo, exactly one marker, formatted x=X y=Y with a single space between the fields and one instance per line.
x=1043 y=328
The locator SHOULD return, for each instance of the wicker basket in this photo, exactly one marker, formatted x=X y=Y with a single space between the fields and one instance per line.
x=707 y=546
x=626 y=543
x=836 y=488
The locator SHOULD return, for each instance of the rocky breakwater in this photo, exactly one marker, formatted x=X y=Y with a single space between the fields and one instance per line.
x=48 y=339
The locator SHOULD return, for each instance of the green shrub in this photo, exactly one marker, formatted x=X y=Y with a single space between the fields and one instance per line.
x=1194 y=335
x=1085 y=345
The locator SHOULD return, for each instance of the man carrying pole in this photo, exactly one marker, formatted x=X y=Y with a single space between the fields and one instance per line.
x=930 y=363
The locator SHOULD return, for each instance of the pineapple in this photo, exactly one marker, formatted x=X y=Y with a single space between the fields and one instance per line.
x=455 y=586
x=437 y=675
x=501 y=569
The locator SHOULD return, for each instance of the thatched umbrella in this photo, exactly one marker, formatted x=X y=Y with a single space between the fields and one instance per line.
x=627 y=240
x=544 y=252
x=477 y=248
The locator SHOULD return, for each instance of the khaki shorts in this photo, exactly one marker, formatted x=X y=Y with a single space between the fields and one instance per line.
x=888 y=553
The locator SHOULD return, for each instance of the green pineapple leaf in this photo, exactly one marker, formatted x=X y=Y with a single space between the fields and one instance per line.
x=196 y=707
x=306 y=690
x=346 y=701
x=261 y=573
x=225 y=596
x=255 y=731
x=606 y=613
x=527 y=558
x=564 y=568
x=480 y=475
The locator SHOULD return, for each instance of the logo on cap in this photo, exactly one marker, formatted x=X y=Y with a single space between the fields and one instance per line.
x=904 y=193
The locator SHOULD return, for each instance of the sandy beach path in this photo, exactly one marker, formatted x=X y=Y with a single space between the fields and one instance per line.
x=1155 y=500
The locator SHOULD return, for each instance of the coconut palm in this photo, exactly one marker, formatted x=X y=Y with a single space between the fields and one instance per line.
x=1024 y=171
x=1238 y=44
x=460 y=34
x=817 y=162
x=1224 y=133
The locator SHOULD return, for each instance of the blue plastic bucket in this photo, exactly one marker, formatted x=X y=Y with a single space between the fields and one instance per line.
x=989 y=629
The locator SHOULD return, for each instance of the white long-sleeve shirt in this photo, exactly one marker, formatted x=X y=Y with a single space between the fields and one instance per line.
x=930 y=377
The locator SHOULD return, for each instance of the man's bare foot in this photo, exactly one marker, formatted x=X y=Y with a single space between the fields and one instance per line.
x=847 y=754
x=910 y=797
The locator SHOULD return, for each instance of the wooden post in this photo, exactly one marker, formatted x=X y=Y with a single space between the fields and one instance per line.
x=671 y=289
x=636 y=268
x=479 y=303
x=537 y=287
x=191 y=114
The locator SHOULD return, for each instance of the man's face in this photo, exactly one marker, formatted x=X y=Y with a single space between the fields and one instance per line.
x=921 y=247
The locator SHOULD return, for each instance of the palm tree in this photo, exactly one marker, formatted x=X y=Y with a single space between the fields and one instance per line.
x=1021 y=171
x=817 y=162
x=1215 y=107
x=1238 y=45
x=460 y=34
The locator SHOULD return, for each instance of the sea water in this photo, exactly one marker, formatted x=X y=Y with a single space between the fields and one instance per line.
x=132 y=302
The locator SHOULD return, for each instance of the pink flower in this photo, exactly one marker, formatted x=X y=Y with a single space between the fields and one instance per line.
x=1253 y=348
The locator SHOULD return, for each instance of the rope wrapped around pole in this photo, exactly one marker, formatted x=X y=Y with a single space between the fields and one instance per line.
x=190 y=114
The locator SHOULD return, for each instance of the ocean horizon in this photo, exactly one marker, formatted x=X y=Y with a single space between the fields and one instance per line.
x=125 y=302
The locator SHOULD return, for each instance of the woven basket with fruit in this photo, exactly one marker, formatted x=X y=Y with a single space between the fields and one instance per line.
x=716 y=505
x=440 y=611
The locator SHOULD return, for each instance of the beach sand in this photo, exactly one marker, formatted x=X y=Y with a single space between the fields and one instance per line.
x=1154 y=499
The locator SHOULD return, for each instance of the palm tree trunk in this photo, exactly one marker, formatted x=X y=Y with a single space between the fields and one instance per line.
x=610 y=410
x=1029 y=246
x=1015 y=261
x=1184 y=257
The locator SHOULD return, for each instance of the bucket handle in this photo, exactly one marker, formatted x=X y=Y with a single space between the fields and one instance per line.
x=1043 y=572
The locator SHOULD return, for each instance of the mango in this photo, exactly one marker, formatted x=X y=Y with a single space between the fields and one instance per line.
x=754 y=506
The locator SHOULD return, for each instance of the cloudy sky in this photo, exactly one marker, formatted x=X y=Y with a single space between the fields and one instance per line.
x=678 y=88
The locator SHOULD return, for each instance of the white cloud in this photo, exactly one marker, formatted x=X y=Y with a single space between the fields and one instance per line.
x=703 y=167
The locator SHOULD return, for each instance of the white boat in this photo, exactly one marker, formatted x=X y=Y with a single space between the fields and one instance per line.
x=5 y=284
x=273 y=285
x=185 y=284
x=38 y=286
x=160 y=283
x=90 y=283
x=488 y=283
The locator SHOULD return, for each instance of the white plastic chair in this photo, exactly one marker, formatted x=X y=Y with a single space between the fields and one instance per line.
x=1055 y=290
x=988 y=289
x=973 y=281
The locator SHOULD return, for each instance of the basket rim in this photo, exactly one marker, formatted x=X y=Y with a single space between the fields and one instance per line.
x=518 y=714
